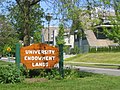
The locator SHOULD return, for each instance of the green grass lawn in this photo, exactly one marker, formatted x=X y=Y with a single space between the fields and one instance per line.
x=99 y=60
x=111 y=58
x=88 y=81
x=94 y=82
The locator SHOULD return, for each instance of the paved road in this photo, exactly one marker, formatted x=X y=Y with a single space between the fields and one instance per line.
x=114 y=72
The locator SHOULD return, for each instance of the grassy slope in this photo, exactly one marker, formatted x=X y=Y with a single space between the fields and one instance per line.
x=112 y=58
x=95 y=82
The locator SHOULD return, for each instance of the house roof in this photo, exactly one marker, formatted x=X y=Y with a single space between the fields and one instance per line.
x=94 y=42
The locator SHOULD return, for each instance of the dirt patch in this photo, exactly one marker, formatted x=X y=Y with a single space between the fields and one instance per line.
x=32 y=80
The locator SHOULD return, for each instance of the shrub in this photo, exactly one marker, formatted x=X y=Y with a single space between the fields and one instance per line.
x=105 y=49
x=54 y=73
x=75 y=50
x=44 y=73
x=9 y=74
x=66 y=49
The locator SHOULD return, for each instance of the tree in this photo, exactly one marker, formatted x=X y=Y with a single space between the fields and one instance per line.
x=8 y=36
x=116 y=5
x=60 y=37
x=114 y=33
x=80 y=13
x=26 y=25
x=25 y=7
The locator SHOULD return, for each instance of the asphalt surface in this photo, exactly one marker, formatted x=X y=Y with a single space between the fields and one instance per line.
x=113 y=72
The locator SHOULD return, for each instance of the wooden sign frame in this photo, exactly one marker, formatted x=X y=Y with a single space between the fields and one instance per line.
x=39 y=56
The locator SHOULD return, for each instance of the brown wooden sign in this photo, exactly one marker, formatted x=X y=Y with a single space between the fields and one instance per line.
x=39 y=56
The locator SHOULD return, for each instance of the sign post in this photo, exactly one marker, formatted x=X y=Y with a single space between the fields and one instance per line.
x=61 y=60
x=18 y=57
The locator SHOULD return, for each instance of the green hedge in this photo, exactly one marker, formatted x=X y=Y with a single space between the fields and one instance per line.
x=105 y=49
x=75 y=50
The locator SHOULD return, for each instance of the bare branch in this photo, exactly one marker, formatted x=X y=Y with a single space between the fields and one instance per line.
x=34 y=2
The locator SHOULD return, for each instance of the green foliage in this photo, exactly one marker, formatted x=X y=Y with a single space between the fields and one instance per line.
x=105 y=49
x=5 y=52
x=8 y=36
x=94 y=82
x=76 y=73
x=75 y=50
x=54 y=74
x=9 y=74
x=44 y=73
x=60 y=37
x=27 y=23
x=37 y=36
x=114 y=32
x=92 y=50
x=71 y=73
x=66 y=49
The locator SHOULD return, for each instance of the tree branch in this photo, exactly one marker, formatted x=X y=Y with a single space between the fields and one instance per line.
x=34 y=2
x=18 y=2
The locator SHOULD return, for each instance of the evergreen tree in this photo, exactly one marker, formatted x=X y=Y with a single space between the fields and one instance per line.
x=60 y=37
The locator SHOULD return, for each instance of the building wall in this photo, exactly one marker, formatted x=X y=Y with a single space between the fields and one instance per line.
x=69 y=40
x=53 y=33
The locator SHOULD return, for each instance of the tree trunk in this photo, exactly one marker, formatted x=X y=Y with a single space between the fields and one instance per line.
x=26 y=24
x=25 y=7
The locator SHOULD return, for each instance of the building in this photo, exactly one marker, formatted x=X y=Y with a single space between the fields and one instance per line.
x=53 y=32
x=96 y=38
